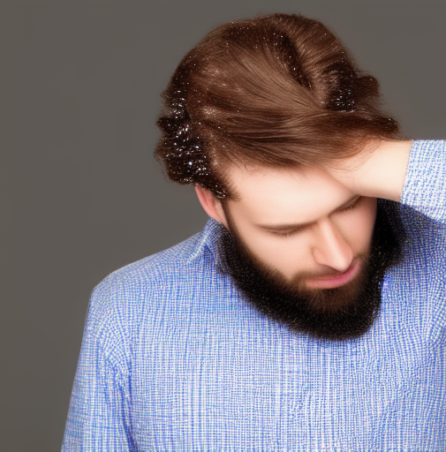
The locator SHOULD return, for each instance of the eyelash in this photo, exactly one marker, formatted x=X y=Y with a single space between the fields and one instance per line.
x=295 y=232
x=287 y=234
x=353 y=205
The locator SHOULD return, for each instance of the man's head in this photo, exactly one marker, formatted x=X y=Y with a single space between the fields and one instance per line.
x=252 y=115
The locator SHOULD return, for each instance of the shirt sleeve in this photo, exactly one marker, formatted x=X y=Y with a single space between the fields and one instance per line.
x=98 y=417
x=425 y=181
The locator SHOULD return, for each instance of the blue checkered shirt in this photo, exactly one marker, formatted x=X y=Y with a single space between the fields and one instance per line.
x=173 y=358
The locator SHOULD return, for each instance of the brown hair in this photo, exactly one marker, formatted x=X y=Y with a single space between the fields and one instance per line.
x=277 y=91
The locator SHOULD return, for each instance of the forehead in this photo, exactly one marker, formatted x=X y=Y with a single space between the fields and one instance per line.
x=290 y=194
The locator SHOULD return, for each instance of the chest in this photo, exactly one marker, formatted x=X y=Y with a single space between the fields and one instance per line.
x=235 y=381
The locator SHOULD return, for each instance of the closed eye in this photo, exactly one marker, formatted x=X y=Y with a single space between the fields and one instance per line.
x=289 y=233
x=296 y=230
x=352 y=206
x=292 y=232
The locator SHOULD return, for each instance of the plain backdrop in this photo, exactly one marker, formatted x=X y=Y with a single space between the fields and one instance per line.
x=81 y=194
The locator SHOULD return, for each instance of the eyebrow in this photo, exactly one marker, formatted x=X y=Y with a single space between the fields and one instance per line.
x=284 y=227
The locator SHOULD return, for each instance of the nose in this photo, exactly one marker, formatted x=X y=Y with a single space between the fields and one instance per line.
x=331 y=249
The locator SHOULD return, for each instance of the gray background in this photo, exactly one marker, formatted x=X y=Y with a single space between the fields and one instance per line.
x=80 y=192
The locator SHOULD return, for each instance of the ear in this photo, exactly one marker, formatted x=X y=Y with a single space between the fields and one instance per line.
x=211 y=205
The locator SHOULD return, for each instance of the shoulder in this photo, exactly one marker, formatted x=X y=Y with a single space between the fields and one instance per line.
x=125 y=296
x=154 y=270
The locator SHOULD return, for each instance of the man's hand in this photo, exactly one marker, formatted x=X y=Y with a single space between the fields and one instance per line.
x=378 y=171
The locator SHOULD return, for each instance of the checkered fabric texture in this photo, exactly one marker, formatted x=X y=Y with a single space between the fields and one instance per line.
x=174 y=359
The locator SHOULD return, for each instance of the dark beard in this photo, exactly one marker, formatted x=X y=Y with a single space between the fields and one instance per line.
x=340 y=313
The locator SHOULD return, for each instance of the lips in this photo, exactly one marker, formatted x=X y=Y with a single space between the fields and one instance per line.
x=335 y=281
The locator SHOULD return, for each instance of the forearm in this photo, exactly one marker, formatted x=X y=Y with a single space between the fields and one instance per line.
x=425 y=185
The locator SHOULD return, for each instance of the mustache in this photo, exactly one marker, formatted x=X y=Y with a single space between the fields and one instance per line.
x=359 y=258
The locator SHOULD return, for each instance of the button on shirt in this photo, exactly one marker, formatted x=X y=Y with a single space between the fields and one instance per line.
x=174 y=358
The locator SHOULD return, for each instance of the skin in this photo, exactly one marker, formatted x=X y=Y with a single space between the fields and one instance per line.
x=327 y=245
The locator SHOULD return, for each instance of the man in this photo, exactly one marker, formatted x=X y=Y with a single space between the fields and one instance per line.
x=310 y=313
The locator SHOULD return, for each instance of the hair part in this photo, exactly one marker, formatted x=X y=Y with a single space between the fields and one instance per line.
x=274 y=91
